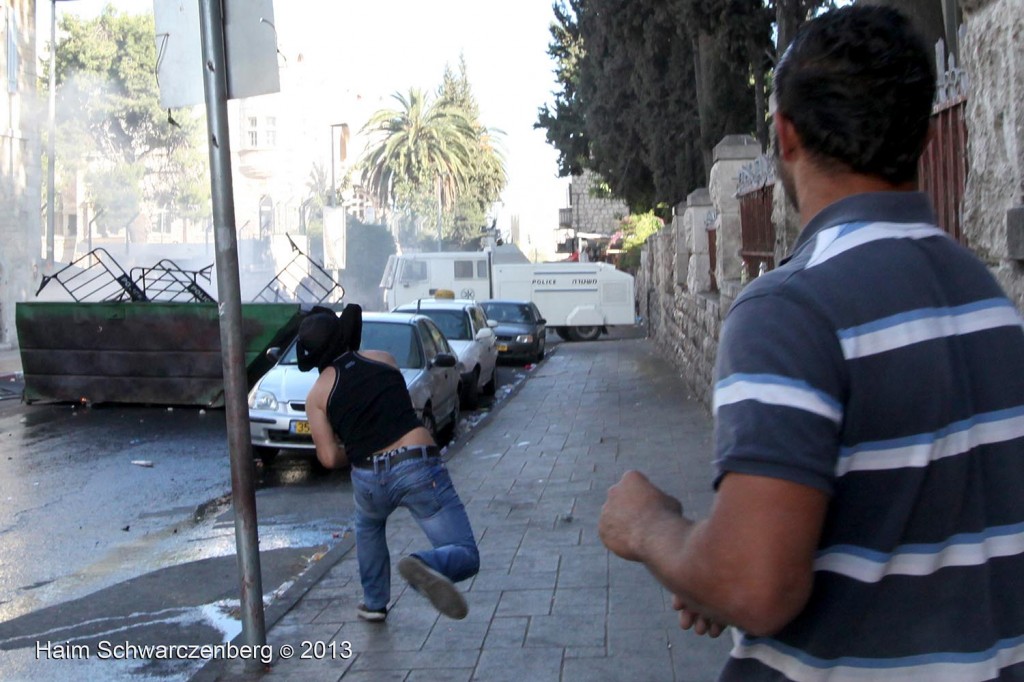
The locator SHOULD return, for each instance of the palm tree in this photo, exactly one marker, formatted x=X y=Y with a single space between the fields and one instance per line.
x=423 y=148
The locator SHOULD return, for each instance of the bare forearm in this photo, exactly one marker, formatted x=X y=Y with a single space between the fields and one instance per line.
x=666 y=551
x=332 y=455
x=718 y=576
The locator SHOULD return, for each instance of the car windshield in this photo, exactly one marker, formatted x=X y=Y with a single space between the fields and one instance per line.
x=508 y=312
x=454 y=324
x=398 y=339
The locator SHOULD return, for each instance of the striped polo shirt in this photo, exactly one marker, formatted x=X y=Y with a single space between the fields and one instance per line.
x=883 y=365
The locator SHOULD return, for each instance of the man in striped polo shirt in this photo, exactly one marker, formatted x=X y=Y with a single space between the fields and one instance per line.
x=869 y=409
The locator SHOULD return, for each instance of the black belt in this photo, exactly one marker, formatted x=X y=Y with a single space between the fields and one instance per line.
x=390 y=458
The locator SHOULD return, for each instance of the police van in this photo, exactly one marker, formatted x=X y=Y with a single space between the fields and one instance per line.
x=578 y=300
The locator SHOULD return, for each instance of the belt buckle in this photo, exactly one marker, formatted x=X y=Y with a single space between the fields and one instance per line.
x=382 y=462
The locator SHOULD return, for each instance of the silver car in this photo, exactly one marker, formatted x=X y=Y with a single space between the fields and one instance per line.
x=277 y=403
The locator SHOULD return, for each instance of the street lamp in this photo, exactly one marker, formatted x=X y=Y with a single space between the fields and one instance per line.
x=343 y=154
x=51 y=145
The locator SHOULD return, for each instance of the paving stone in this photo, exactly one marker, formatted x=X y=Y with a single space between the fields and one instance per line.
x=415 y=660
x=516 y=665
x=525 y=603
x=575 y=630
x=506 y=633
x=575 y=600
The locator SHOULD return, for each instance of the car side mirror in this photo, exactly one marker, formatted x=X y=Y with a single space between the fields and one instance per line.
x=492 y=323
x=484 y=333
x=274 y=353
x=542 y=321
x=445 y=360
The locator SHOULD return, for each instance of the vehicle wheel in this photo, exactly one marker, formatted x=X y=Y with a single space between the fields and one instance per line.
x=471 y=390
x=491 y=387
x=451 y=430
x=428 y=422
x=540 y=353
x=584 y=333
x=563 y=333
x=267 y=455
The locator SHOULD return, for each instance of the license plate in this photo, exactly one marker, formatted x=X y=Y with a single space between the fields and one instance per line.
x=301 y=427
x=502 y=347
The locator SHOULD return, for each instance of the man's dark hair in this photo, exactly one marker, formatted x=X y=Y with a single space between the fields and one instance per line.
x=858 y=85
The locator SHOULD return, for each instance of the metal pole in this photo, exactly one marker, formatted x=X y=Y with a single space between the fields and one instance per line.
x=51 y=143
x=439 y=247
x=243 y=492
x=331 y=195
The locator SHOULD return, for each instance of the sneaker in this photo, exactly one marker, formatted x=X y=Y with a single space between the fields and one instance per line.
x=372 y=615
x=441 y=591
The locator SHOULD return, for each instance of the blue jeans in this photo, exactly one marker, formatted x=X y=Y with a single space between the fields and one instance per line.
x=424 y=487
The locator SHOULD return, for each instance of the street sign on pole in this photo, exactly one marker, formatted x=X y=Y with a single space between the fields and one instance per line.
x=213 y=17
x=250 y=44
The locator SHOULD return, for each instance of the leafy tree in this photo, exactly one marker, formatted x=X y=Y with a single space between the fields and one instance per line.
x=648 y=87
x=635 y=231
x=564 y=124
x=136 y=156
x=487 y=177
x=421 y=150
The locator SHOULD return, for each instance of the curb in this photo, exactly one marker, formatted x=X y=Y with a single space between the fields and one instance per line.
x=211 y=671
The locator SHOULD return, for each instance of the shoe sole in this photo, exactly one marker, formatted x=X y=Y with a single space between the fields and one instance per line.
x=439 y=590
x=371 y=616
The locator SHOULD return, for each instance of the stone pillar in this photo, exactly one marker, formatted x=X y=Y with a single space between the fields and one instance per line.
x=731 y=154
x=994 y=63
x=698 y=217
x=681 y=256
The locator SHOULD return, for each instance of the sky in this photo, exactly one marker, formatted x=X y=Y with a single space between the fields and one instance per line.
x=387 y=46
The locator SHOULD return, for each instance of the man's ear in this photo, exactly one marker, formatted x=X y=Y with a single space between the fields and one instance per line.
x=786 y=137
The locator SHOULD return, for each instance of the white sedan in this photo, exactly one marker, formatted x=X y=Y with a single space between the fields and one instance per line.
x=464 y=323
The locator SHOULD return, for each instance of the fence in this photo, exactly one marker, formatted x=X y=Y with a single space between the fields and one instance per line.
x=755 y=191
x=942 y=171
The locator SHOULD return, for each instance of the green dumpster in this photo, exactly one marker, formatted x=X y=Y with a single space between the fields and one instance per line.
x=140 y=352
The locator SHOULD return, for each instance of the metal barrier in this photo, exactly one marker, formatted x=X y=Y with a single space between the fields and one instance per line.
x=96 y=276
x=166 y=281
x=301 y=280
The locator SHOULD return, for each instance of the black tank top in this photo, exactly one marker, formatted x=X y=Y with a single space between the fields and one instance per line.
x=369 y=406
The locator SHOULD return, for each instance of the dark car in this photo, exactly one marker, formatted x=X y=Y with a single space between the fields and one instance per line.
x=521 y=331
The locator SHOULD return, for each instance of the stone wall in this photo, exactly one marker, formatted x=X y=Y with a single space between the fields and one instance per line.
x=685 y=316
x=677 y=294
x=20 y=177
x=991 y=55
x=593 y=214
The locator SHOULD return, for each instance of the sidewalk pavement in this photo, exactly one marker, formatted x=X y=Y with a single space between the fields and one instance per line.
x=550 y=602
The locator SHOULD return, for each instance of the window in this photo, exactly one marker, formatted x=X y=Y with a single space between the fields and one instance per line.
x=439 y=340
x=270 y=134
x=413 y=271
x=479 y=319
x=463 y=269
x=451 y=322
x=429 y=345
x=254 y=138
